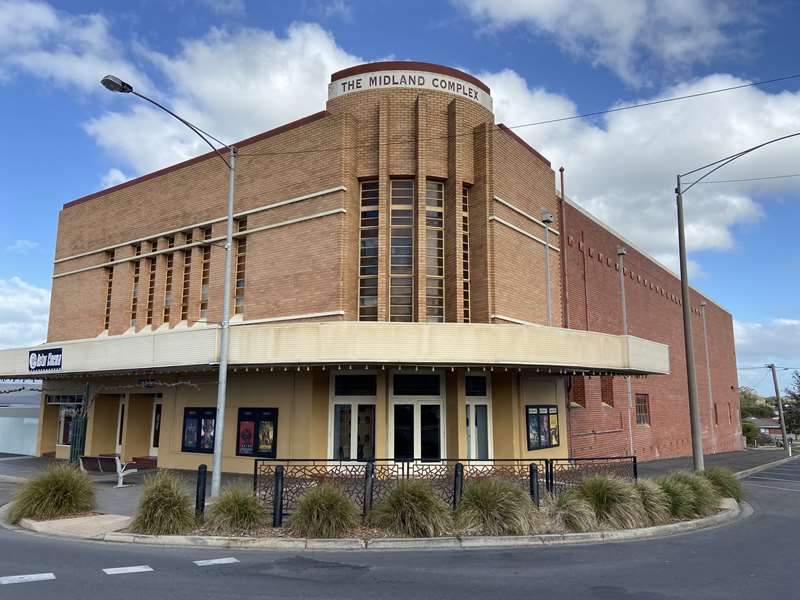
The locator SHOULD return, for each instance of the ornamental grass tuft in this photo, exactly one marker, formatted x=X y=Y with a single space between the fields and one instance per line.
x=568 y=512
x=165 y=507
x=705 y=498
x=237 y=510
x=497 y=507
x=615 y=501
x=680 y=496
x=654 y=500
x=324 y=512
x=412 y=508
x=58 y=491
x=725 y=482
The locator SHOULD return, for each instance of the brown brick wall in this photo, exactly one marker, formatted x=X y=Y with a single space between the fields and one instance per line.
x=654 y=313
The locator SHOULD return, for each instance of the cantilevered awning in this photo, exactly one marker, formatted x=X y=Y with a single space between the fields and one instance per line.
x=346 y=343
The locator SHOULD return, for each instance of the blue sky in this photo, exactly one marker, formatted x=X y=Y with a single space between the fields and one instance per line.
x=256 y=65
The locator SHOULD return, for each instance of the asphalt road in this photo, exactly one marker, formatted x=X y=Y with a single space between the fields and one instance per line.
x=745 y=560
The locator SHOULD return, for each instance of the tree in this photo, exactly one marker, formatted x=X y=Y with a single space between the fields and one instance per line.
x=791 y=405
x=750 y=432
x=754 y=405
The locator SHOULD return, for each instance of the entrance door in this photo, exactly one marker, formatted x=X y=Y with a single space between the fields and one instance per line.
x=155 y=427
x=416 y=429
x=123 y=405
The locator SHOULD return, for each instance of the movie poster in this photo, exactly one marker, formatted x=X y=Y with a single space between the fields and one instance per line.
x=266 y=434
x=190 y=434
x=246 y=437
x=207 y=434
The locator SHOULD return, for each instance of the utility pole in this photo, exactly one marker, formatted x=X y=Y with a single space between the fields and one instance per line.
x=691 y=374
x=621 y=252
x=786 y=445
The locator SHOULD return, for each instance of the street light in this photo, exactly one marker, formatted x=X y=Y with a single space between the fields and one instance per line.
x=115 y=84
x=691 y=375
x=621 y=252
x=547 y=219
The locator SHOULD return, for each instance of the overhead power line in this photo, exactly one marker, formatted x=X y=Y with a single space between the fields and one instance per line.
x=752 y=178
x=537 y=123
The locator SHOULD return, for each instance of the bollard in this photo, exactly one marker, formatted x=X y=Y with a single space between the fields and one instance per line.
x=200 y=495
x=533 y=476
x=369 y=480
x=277 y=498
x=635 y=470
x=458 y=484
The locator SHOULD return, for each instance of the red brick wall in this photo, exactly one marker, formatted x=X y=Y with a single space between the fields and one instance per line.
x=654 y=312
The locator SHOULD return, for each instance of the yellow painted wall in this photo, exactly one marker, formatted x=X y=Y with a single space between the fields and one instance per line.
x=318 y=424
x=138 y=426
x=101 y=428
x=48 y=429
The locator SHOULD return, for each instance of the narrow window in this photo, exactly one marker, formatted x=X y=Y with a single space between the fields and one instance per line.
x=730 y=416
x=137 y=266
x=66 y=414
x=478 y=415
x=716 y=416
x=642 y=409
x=241 y=252
x=542 y=426
x=187 y=278
x=109 y=282
x=151 y=285
x=434 y=261
x=578 y=391
x=401 y=272
x=206 y=272
x=368 y=253
x=353 y=417
x=607 y=390
x=465 y=248
x=168 y=280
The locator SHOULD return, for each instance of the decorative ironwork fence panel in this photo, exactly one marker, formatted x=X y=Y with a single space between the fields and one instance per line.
x=568 y=472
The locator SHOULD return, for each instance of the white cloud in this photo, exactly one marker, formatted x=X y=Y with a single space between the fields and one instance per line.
x=113 y=177
x=233 y=85
x=65 y=49
x=24 y=311
x=22 y=246
x=776 y=341
x=622 y=167
x=628 y=37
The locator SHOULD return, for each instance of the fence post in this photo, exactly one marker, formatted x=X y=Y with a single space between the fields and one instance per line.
x=533 y=477
x=277 y=498
x=458 y=484
x=200 y=492
x=255 y=477
x=635 y=470
x=369 y=479
x=548 y=475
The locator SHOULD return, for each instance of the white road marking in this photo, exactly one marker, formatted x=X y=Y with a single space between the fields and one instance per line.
x=773 y=487
x=26 y=578
x=775 y=479
x=216 y=561
x=123 y=570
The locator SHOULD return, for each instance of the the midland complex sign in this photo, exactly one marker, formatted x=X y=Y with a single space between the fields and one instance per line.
x=409 y=79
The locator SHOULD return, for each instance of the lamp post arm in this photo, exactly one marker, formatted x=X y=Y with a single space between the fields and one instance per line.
x=729 y=159
x=202 y=134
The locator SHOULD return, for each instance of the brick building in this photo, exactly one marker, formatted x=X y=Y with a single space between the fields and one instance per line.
x=389 y=300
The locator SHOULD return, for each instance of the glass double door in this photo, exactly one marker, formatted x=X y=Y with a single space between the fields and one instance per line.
x=417 y=430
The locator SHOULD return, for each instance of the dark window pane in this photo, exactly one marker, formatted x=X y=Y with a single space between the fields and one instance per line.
x=403 y=431
x=355 y=385
x=481 y=432
x=416 y=385
x=430 y=438
x=366 y=432
x=475 y=385
x=341 y=431
x=157 y=425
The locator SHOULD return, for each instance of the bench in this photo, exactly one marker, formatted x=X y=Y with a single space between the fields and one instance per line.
x=107 y=464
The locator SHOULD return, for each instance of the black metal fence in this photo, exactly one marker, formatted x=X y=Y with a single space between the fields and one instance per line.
x=280 y=483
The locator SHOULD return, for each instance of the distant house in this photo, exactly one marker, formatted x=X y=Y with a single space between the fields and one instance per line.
x=770 y=427
x=19 y=417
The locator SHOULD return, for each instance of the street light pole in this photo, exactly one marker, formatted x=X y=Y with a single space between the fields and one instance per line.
x=621 y=252
x=115 y=84
x=691 y=375
x=694 y=412
x=786 y=445
x=547 y=219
